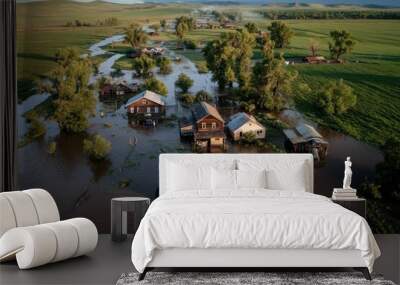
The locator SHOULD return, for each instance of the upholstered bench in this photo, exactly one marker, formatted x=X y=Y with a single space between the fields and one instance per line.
x=31 y=231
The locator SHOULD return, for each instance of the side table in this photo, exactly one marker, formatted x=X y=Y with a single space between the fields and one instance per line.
x=357 y=205
x=119 y=209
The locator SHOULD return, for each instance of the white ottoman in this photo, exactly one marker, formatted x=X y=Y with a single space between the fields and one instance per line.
x=31 y=232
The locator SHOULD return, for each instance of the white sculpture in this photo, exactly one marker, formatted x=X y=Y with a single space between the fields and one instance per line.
x=347 y=174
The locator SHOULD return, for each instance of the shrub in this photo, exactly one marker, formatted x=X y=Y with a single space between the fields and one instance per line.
x=203 y=96
x=165 y=65
x=187 y=99
x=97 y=147
x=336 y=97
x=190 y=44
x=157 y=86
x=202 y=67
x=184 y=82
x=37 y=128
x=51 y=148
x=248 y=138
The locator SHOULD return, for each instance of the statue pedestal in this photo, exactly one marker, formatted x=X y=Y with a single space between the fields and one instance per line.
x=344 y=194
x=342 y=190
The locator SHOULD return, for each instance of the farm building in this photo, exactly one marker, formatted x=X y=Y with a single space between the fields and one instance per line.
x=315 y=59
x=186 y=127
x=146 y=103
x=206 y=126
x=305 y=139
x=242 y=123
x=118 y=89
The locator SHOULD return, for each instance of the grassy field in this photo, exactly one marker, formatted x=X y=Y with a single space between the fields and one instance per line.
x=373 y=70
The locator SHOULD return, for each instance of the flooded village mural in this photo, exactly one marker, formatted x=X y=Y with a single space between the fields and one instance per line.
x=104 y=88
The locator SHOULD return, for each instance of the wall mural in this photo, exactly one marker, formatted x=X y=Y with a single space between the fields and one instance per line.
x=104 y=88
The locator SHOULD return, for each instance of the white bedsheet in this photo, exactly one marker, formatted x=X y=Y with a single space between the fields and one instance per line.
x=250 y=219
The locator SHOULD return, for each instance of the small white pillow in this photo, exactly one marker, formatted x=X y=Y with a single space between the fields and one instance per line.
x=186 y=178
x=291 y=178
x=251 y=178
x=224 y=179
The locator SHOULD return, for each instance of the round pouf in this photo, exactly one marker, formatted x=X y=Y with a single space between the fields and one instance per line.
x=119 y=208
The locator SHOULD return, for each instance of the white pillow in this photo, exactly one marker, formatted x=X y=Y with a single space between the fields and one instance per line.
x=186 y=178
x=251 y=178
x=224 y=179
x=290 y=177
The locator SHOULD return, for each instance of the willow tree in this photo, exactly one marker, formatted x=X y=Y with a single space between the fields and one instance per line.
x=135 y=36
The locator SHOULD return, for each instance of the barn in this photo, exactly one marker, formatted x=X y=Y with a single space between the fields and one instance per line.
x=305 y=139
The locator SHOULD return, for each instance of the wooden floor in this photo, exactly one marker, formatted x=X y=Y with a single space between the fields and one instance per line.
x=110 y=260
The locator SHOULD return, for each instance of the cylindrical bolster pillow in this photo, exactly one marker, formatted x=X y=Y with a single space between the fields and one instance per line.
x=41 y=244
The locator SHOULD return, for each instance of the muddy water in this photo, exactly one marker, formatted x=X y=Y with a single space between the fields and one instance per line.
x=84 y=188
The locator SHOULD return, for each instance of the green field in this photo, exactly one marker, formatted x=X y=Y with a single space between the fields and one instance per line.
x=373 y=70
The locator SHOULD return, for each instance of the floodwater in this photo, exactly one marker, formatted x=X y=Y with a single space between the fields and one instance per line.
x=84 y=188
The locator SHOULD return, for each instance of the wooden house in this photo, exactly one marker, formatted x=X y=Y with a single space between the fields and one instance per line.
x=146 y=103
x=206 y=126
x=242 y=123
x=305 y=139
x=118 y=89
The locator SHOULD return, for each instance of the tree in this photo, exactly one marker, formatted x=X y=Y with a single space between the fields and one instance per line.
x=272 y=81
x=97 y=147
x=163 y=24
x=157 y=86
x=143 y=65
x=164 y=64
x=229 y=58
x=155 y=27
x=64 y=56
x=336 y=97
x=135 y=36
x=203 y=96
x=314 y=47
x=244 y=41
x=184 y=82
x=341 y=44
x=280 y=34
x=181 y=29
x=69 y=84
x=251 y=27
x=183 y=25
x=187 y=99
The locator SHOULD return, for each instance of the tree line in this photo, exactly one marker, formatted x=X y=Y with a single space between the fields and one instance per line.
x=269 y=84
x=108 y=22
x=337 y=14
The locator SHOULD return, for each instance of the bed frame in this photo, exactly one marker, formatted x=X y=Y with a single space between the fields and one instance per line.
x=246 y=258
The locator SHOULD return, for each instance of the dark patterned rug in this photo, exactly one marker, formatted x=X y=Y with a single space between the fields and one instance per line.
x=244 y=278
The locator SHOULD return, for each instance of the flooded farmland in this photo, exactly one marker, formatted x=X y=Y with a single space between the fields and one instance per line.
x=84 y=188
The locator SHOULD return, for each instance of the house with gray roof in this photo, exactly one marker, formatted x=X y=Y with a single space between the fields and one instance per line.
x=306 y=139
x=242 y=123
x=146 y=103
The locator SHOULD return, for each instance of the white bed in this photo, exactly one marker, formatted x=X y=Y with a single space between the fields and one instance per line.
x=217 y=224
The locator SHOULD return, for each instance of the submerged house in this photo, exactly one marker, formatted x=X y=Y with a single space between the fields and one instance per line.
x=118 y=89
x=146 y=103
x=305 y=139
x=206 y=126
x=242 y=123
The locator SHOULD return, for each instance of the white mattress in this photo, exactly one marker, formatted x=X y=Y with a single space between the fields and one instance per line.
x=256 y=218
